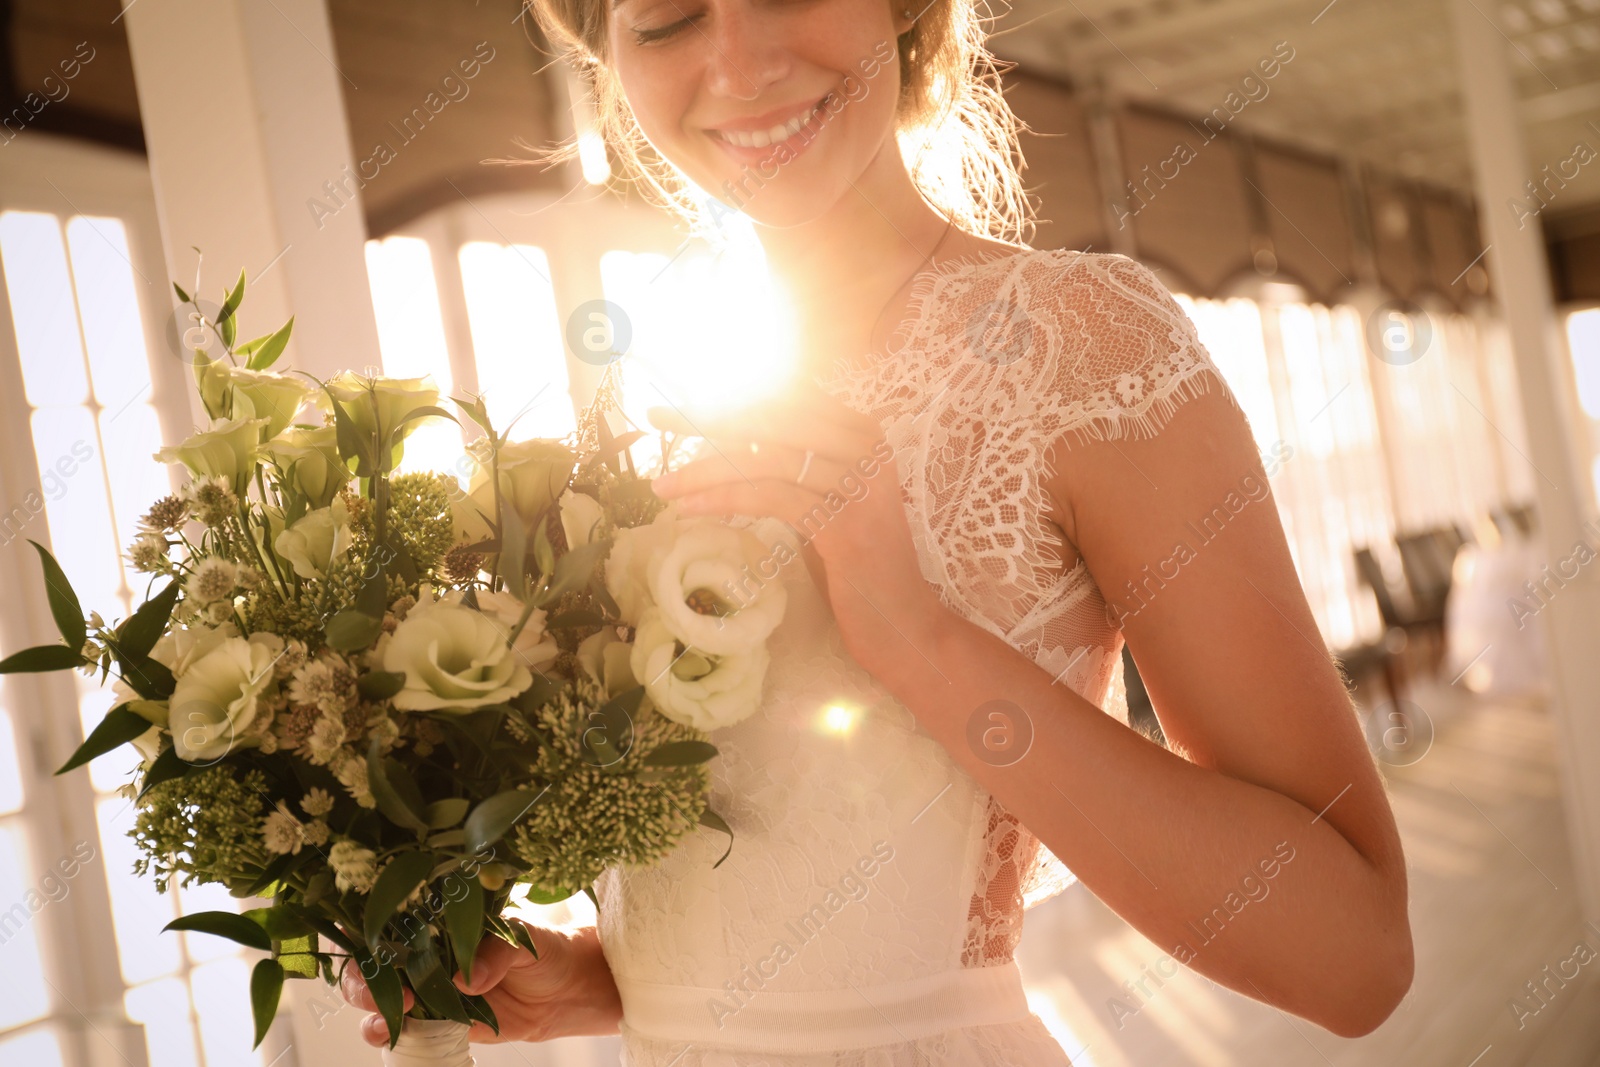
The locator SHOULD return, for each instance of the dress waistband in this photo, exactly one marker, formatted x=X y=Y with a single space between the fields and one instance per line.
x=857 y=1016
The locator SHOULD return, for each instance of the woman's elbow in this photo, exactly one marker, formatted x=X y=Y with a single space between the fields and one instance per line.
x=1383 y=984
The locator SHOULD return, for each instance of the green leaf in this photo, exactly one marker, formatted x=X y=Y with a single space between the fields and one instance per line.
x=387 y=991
x=149 y=678
x=298 y=956
x=281 y=923
x=64 y=604
x=351 y=631
x=115 y=730
x=226 y=324
x=464 y=920
x=264 y=351
x=42 y=658
x=137 y=636
x=266 y=986
x=381 y=685
x=478 y=1010
x=183 y=296
x=717 y=822
x=540 y=895
x=274 y=870
x=392 y=801
x=166 y=767
x=612 y=737
x=443 y=814
x=680 y=754
x=520 y=934
x=476 y=410
x=574 y=569
x=432 y=986
x=353 y=444
x=602 y=596
x=514 y=552
x=544 y=554
x=396 y=881
x=226 y=924
x=493 y=818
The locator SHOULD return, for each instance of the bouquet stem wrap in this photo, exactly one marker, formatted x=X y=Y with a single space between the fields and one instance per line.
x=430 y=1043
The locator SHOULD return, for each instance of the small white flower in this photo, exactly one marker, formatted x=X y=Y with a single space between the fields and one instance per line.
x=325 y=682
x=326 y=737
x=316 y=833
x=352 y=774
x=317 y=802
x=354 y=867
x=282 y=832
x=212 y=579
x=149 y=553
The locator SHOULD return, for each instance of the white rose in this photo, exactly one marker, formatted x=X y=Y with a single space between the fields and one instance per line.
x=316 y=540
x=693 y=688
x=581 y=515
x=708 y=587
x=453 y=658
x=534 y=647
x=218 y=697
x=605 y=657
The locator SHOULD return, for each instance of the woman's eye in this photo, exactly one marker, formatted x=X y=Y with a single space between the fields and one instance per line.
x=660 y=33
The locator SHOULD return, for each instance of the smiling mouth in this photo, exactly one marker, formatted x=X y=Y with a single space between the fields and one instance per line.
x=777 y=134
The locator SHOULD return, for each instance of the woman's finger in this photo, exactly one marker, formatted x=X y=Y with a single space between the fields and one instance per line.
x=374 y=1031
x=490 y=964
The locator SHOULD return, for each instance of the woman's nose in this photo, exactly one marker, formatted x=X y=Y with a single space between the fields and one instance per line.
x=747 y=53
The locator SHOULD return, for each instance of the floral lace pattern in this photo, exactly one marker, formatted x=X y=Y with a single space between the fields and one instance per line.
x=864 y=855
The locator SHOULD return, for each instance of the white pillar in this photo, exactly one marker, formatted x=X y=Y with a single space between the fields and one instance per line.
x=1522 y=286
x=244 y=122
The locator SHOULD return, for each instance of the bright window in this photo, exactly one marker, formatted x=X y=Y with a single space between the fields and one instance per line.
x=87 y=400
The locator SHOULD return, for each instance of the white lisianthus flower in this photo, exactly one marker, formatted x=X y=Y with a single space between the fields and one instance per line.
x=382 y=403
x=581 y=517
x=309 y=458
x=454 y=659
x=227 y=450
x=703 y=585
x=690 y=686
x=354 y=867
x=627 y=564
x=177 y=649
x=218 y=698
x=605 y=657
x=238 y=392
x=317 y=540
x=534 y=647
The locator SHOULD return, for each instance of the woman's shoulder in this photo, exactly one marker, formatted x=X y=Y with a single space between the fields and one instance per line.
x=1097 y=340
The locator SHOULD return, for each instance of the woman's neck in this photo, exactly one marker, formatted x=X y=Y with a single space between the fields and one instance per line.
x=848 y=271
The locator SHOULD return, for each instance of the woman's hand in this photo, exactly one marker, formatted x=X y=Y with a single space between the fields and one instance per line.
x=567 y=992
x=827 y=471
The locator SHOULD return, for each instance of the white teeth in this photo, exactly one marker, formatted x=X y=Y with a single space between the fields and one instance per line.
x=776 y=135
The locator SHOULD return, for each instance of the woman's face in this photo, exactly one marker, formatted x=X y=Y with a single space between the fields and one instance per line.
x=776 y=107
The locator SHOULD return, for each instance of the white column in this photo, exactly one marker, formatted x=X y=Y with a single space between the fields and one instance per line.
x=1522 y=286
x=244 y=122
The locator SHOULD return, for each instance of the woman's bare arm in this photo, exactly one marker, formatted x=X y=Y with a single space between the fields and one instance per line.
x=1267 y=757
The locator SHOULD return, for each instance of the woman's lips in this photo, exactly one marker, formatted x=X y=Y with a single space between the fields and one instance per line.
x=758 y=146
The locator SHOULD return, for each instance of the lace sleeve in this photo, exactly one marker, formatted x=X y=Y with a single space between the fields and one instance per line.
x=1129 y=356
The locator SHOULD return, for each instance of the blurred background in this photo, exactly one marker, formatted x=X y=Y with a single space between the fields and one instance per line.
x=1384 y=217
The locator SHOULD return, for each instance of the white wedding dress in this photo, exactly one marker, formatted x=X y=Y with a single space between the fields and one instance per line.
x=869 y=910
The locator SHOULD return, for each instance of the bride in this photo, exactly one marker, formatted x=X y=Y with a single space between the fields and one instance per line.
x=1006 y=462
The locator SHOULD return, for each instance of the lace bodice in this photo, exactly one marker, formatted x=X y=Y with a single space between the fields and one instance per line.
x=866 y=860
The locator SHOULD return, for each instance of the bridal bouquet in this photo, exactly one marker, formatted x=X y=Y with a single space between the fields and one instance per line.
x=380 y=702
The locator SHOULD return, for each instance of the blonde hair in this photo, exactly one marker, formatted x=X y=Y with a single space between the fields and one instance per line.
x=956 y=130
